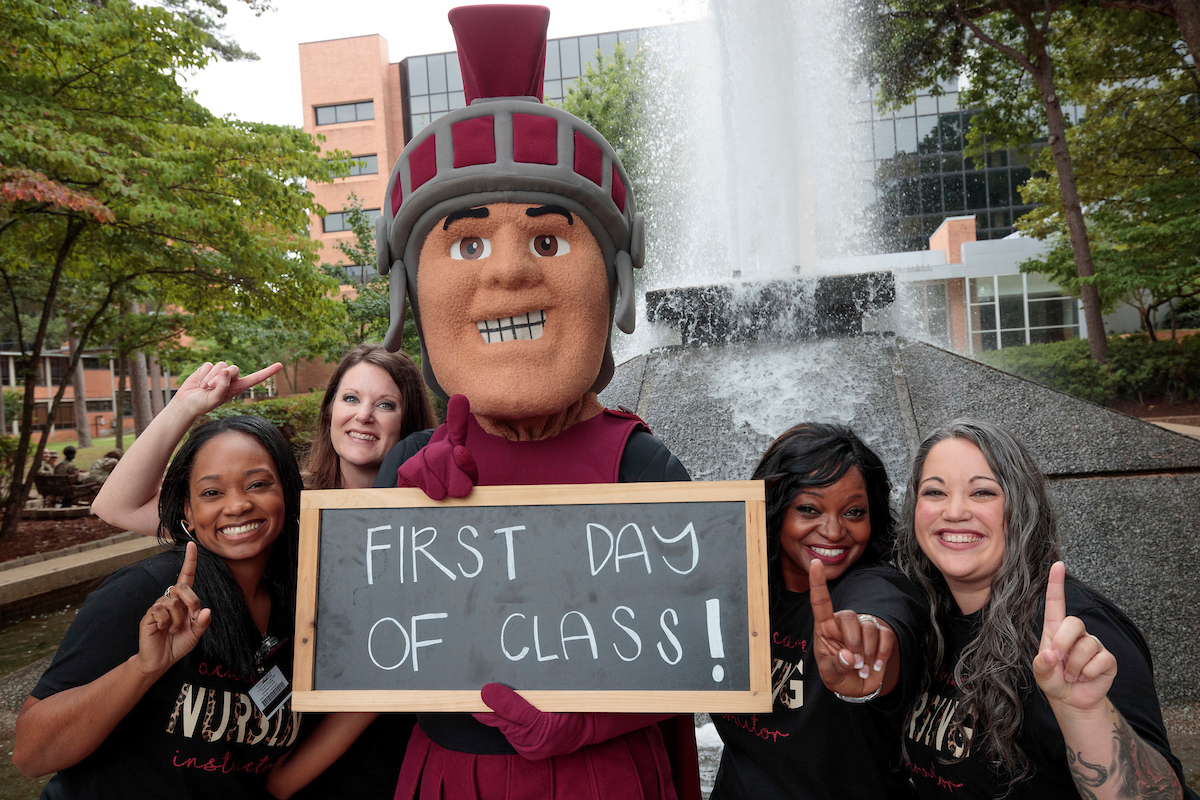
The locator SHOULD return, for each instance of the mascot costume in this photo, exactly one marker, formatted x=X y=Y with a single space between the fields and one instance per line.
x=511 y=227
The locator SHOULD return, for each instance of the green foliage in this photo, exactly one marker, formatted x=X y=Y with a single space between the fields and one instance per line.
x=1064 y=366
x=8 y=454
x=367 y=309
x=1139 y=368
x=611 y=97
x=295 y=417
x=13 y=398
x=116 y=186
x=1137 y=154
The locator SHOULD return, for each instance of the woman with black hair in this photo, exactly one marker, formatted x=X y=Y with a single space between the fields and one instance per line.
x=840 y=680
x=188 y=699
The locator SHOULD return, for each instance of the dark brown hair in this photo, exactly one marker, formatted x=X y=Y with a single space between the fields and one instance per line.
x=322 y=468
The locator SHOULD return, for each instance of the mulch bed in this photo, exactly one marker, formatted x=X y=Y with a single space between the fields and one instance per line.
x=43 y=535
x=1158 y=409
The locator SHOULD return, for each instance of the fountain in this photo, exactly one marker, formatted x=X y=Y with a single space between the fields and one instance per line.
x=743 y=334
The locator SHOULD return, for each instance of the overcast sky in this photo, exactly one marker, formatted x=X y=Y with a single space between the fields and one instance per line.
x=268 y=90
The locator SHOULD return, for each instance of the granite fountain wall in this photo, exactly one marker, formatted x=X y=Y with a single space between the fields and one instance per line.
x=1127 y=492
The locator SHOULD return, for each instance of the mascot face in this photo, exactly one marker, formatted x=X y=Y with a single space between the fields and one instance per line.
x=514 y=308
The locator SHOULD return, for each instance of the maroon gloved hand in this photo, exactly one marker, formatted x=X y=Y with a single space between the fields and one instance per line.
x=543 y=734
x=444 y=466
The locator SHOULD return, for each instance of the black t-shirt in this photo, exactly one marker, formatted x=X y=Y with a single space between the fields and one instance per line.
x=194 y=734
x=814 y=745
x=932 y=737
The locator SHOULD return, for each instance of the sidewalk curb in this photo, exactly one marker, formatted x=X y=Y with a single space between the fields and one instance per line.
x=39 y=574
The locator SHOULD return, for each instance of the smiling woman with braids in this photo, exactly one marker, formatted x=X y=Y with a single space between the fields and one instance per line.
x=1021 y=700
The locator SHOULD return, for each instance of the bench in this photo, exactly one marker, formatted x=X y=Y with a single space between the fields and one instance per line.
x=55 y=487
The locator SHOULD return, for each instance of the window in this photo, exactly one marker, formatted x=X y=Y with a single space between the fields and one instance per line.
x=365 y=165
x=347 y=112
x=1013 y=310
x=336 y=221
x=99 y=405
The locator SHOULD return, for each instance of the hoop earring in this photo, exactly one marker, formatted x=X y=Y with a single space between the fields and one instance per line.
x=186 y=532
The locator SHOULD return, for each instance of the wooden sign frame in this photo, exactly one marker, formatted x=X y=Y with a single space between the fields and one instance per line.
x=757 y=700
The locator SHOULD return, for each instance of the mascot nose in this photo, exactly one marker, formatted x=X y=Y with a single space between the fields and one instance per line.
x=515 y=267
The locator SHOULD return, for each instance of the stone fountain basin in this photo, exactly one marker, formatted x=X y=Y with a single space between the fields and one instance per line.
x=778 y=310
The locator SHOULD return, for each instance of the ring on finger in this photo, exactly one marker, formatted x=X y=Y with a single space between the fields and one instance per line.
x=863 y=619
x=1096 y=639
x=167 y=593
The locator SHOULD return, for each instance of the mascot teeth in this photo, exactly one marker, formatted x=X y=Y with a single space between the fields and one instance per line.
x=523 y=326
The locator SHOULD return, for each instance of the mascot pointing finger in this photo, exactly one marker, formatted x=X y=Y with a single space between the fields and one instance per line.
x=512 y=229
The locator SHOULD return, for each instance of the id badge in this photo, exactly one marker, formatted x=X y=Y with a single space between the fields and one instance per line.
x=271 y=692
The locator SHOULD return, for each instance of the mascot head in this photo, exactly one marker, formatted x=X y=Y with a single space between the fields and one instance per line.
x=511 y=226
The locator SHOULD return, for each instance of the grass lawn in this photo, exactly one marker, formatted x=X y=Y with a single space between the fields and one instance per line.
x=85 y=456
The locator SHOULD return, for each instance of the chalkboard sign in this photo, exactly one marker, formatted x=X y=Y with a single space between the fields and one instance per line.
x=616 y=597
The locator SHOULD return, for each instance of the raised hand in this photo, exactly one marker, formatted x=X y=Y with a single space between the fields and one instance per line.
x=1072 y=667
x=852 y=650
x=213 y=384
x=444 y=467
x=174 y=624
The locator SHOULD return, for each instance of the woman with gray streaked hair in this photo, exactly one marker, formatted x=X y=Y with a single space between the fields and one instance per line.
x=1020 y=699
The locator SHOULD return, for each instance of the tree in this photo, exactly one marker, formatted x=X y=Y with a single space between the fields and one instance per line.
x=115 y=185
x=366 y=307
x=1009 y=50
x=1139 y=154
x=611 y=97
x=1185 y=13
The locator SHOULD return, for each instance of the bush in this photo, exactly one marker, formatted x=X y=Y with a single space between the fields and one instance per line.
x=295 y=417
x=1139 y=369
x=1064 y=366
x=8 y=452
x=13 y=400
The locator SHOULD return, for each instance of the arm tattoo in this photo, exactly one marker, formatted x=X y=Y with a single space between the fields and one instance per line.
x=1137 y=770
x=1084 y=782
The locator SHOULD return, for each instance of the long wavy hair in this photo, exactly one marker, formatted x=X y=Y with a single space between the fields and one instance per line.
x=994 y=670
x=322 y=468
x=232 y=638
x=814 y=454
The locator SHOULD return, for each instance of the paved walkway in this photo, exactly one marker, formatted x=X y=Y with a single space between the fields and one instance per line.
x=1187 y=430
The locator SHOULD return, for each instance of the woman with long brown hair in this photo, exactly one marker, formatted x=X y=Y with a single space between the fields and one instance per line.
x=1022 y=697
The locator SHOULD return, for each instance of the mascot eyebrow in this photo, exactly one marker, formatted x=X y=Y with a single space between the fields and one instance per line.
x=468 y=213
x=481 y=213
x=542 y=210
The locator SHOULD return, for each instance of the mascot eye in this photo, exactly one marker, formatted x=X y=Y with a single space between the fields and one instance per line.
x=470 y=248
x=549 y=245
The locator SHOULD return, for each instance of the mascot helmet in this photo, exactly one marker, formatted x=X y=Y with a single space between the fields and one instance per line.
x=506 y=146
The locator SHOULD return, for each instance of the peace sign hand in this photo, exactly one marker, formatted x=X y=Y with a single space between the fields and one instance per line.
x=213 y=384
x=1072 y=667
x=174 y=624
x=852 y=650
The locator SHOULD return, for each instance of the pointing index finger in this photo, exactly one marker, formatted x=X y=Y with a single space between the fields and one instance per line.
x=1056 y=601
x=242 y=384
x=818 y=594
x=458 y=409
x=187 y=575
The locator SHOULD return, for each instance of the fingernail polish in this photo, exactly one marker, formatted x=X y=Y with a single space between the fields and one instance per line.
x=843 y=661
x=879 y=665
x=864 y=673
x=858 y=661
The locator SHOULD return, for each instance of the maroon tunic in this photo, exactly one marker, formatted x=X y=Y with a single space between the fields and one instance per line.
x=629 y=767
